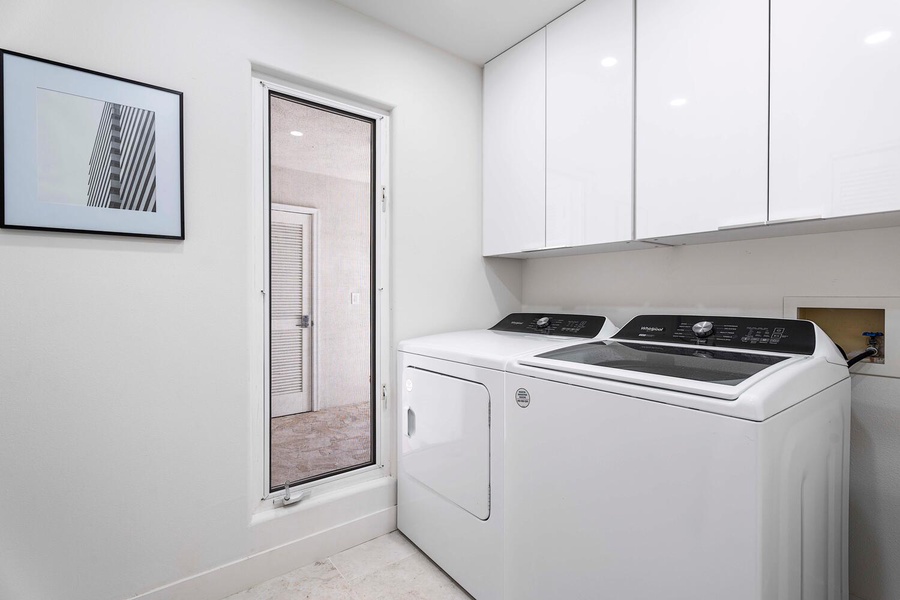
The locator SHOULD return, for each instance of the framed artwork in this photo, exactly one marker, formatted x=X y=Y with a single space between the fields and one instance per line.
x=87 y=152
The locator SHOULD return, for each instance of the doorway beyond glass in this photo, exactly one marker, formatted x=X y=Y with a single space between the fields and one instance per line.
x=321 y=302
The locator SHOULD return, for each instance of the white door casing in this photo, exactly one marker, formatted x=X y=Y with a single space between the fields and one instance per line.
x=261 y=215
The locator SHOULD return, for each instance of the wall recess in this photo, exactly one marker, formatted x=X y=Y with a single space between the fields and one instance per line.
x=847 y=319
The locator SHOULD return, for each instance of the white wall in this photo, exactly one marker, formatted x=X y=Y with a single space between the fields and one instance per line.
x=752 y=278
x=127 y=375
x=342 y=330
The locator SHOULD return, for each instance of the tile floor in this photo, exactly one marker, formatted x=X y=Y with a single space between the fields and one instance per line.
x=387 y=568
x=312 y=443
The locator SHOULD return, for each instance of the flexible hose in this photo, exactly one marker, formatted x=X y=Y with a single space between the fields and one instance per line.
x=870 y=351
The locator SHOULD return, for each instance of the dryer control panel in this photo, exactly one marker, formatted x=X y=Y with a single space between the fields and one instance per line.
x=747 y=333
x=583 y=326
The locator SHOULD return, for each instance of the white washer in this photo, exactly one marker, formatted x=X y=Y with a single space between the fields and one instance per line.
x=450 y=480
x=686 y=458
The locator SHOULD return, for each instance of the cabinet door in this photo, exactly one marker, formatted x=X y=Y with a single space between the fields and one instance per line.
x=514 y=144
x=835 y=145
x=702 y=115
x=590 y=71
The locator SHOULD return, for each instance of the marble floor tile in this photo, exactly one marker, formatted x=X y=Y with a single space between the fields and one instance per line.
x=318 y=581
x=312 y=443
x=364 y=559
x=413 y=578
x=389 y=567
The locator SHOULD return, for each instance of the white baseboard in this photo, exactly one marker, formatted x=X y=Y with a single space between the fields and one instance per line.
x=239 y=575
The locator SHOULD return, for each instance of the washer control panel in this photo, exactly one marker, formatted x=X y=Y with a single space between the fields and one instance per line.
x=773 y=335
x=583 y=326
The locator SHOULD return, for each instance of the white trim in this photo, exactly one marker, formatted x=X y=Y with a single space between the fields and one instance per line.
x=259 y=222
x=331 y=487
x=307 y=93
x=244 y=573
x=384 y=427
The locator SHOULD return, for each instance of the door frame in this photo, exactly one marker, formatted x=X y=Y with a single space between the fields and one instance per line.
x=314 y=300
x=384 y=427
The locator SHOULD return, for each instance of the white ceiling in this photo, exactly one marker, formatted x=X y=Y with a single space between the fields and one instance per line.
x=331 y=144
x=476 y=30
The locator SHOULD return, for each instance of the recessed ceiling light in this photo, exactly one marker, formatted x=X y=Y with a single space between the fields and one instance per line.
x=877 y=38
x=678 y=102
x=609 y=61
x=296 y=133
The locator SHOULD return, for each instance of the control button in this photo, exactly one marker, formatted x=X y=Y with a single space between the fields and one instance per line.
x=542 y=322
x=703 y=329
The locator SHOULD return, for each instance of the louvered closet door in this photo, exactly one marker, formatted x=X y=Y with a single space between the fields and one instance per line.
x=290 y=311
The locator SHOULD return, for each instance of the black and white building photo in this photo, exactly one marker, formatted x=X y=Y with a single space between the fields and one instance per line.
x=122 y=172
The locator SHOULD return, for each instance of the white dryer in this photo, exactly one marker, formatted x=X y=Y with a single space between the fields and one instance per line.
x=686 y=458
x=451 y=453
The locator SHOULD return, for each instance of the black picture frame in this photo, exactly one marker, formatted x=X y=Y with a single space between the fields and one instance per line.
x=88 y=152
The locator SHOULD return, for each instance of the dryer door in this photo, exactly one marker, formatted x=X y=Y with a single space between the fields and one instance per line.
x=445 y=437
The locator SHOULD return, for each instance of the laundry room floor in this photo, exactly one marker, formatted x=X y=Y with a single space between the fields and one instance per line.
x=311 y=443
x=389 y=567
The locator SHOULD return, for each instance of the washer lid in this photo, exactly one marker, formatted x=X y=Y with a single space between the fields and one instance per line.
x=715 y=356
x=513 y=336
x=700 y=370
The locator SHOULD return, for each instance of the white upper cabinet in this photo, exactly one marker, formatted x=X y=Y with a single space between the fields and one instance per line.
x=590 y=84
x=835 y=132
x=514 y=146
x=702 y=115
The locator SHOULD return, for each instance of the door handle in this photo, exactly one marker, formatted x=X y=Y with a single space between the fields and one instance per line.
x=287 y=499
x=794 y=219
x=410 y=422
x=741 y=225
x=304 y=321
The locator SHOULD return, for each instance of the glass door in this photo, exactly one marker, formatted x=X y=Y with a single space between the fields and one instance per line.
x=322 y=190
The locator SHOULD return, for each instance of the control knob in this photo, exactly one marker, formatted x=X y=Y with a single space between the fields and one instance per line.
x=542 y=322
x=703 y=329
